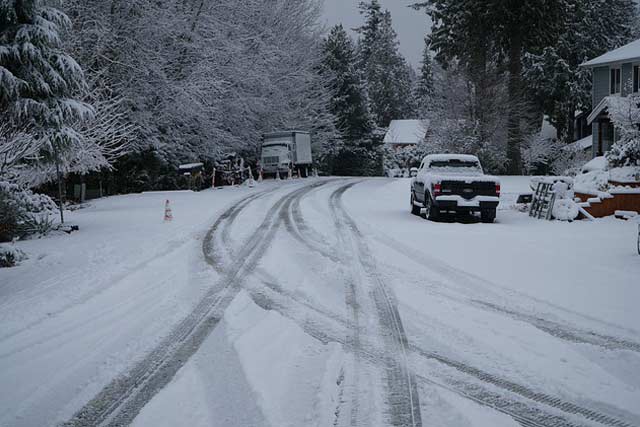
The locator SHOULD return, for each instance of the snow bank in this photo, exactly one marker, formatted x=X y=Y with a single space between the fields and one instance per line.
x=596 y=164
x=596 y=177
x=625 y=174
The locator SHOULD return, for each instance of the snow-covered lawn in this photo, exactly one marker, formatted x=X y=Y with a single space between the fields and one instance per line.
x=498 y=317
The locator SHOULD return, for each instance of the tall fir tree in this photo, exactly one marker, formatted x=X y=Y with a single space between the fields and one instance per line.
x=386 y=72
x=38 y=82
x=523 y=26
x=348 y=105
x=496 y=32
x=425 y=86
x=369 y=32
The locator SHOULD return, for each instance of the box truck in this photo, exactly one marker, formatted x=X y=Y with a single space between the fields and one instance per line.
x=284 y=150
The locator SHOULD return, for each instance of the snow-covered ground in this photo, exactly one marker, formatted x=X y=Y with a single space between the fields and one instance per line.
x=320 y=302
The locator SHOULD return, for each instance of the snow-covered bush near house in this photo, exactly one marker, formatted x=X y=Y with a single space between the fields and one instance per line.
x=544 y=153
x=625 y=115
x=403 y=158
x=27 y=201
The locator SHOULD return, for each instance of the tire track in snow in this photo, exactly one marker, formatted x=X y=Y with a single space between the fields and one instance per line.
x=523 y=414
x=520 y=390
x=402 y=391
x=121 y=400
x=297 y=227
x=504 y=384
x=514 y=403
x=563 y=331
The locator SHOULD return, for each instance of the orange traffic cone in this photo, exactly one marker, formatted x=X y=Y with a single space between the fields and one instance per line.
x=168 y=215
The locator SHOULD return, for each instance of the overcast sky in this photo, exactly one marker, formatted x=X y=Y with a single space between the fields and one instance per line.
x=411 y=25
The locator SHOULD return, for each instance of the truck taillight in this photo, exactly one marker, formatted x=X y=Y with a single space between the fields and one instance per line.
x=437 y=189
x=498 y=189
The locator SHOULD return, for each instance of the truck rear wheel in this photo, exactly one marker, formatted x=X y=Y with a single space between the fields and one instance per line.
x=488 y=216
x=432 y=213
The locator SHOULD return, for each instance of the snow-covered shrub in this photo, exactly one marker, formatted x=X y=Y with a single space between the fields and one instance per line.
x=402 y=158
x=625 y=115
x=10 y=257
x=550 y=156
x=23 y=212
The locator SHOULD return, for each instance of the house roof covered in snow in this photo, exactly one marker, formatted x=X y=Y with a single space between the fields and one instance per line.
x=626 y=53
x=581 y=144
x=606 y=103
x=190 y=166
x=406 y=132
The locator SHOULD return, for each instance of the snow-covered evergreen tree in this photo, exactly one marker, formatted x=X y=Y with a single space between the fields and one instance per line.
x=386 y=72
x=349 y=106
x=348 y=101
x=369 y=31
x=39 y=83
x=425 y=87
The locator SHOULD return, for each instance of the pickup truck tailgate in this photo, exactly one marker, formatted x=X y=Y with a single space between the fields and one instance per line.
x=469 y=190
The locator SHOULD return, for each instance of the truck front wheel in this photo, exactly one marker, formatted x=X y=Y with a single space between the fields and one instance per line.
x=415 y=210
x=488 y=216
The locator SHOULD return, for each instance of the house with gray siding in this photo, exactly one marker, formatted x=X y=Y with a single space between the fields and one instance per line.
x=615 y=74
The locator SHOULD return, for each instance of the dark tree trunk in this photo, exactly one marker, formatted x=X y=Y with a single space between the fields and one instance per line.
x=60 y=192
x=571 y=128
x=514 y=136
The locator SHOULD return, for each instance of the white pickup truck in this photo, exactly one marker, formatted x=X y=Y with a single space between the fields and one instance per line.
x=454 y=183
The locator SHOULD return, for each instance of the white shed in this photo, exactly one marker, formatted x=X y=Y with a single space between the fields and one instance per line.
x=404 y=133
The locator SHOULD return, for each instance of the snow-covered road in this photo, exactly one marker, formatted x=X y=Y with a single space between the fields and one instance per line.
x=317 y=303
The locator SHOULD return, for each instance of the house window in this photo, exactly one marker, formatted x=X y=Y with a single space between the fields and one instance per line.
x=615 y=80
x=636 y=78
